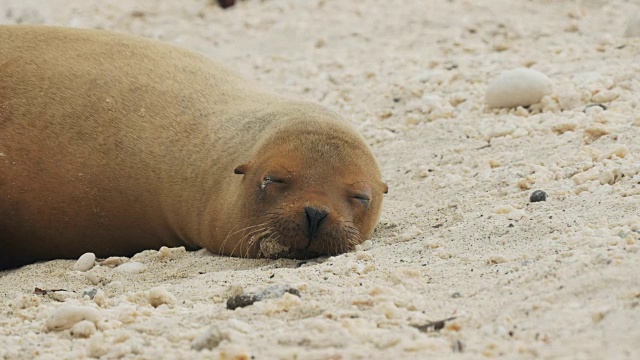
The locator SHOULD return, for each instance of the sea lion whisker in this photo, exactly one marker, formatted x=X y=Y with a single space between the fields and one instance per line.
x=224 y=242
x=257 y=237
x=250 y=238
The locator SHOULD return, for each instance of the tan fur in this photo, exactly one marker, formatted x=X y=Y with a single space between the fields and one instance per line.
x=114 y=144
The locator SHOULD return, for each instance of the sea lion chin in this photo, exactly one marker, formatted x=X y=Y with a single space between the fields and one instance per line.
x=113 y=144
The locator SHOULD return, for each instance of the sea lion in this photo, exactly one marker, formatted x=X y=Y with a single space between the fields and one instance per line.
x=113 y=144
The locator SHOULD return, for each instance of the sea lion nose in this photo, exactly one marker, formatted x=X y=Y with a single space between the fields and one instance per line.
x=315 y=217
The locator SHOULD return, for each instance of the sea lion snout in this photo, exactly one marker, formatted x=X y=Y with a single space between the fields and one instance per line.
x=314 y=217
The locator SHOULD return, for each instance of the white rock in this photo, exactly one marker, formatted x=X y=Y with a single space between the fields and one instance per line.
x=85 y=262
x=132 y=267
x=67 y=316
x=517 y=87
x=633 y=25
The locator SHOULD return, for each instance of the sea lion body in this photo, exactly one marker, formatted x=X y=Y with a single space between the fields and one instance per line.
x=113 y=144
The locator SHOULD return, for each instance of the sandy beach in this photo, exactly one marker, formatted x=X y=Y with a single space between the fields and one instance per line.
x=462 y=264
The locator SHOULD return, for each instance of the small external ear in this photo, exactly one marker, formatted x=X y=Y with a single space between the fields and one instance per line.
x=240 y=170
x=385 y=188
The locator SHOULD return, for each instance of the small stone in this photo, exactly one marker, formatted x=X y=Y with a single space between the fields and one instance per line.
x=131 y=267
x=85 y=262
x=619 y=152
x=608 y=176
x=210 y=339
x=160 y=296
x=366 y=245
x=62 y=295
x=601 y=106
x=517 y=87
x=410 y=234
x=90 y=293
x=226 y=3
x=595 y=131
x=605 y=96
x=100 y=298
x=271 y=292
x=67 y=316
x=83 y=329
x=166 y=253
x=517 y=214
x=114 y=261
x=93 y=278
x=496 y=259
x=538 y=196
x=503 y=209
x=525 y=183
x=234 y=352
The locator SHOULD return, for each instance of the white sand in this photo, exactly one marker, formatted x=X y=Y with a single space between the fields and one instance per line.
x=457 y=237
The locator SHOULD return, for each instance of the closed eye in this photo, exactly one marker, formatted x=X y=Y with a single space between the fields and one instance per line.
x=363 y=198
x=268 y=180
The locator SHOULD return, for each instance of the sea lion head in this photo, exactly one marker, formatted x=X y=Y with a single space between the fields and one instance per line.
x=311 y=189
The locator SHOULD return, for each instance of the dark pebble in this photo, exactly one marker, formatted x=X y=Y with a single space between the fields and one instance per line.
x=433 y=325
x=538 y=196
x=226 y=3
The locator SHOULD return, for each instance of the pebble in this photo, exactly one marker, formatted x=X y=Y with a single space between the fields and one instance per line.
x=62 y=296
x=114 y=261
x=160 y=296
x=67 y=316
x=271 y=292
x=90 y=293
x=132 y=267
x=83 y=329
x=503 y=209
x=166 y=253
x=367 y=245
x=210 y=339
x=605 y=96
x=411 y=233
x=517 y=87
x=496 y=259
x=538 y=196
x=93 y=278
x=100 y=298
x=226 y=3
x=85 y=262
